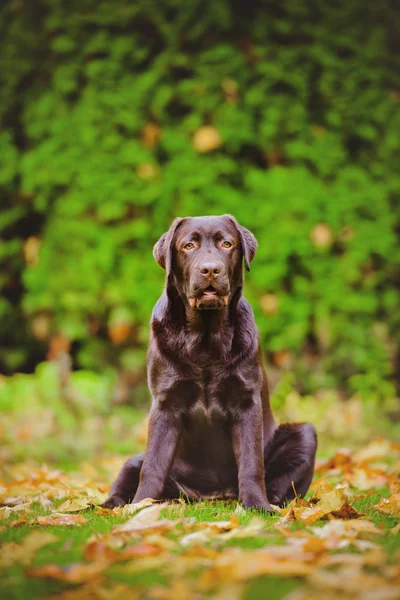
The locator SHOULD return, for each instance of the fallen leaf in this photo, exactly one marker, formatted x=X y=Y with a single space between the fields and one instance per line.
x=347 y=529
x=309 y=515
x=177 y=591
x=74 y=505
x=145 y=519
x=395 y=530
x=196 y=537
x=75 y=573
x=12 y=553
x=236 y=565
x=364 y=479
x=351 y=578
x=134 y=507
x=341 y=459
x=93 y=591
x=254 y=528
x=394 y=486
x=7 y=511
x=239 y=510
x=98 y=551
x=60 y=519
x=376 y=449
x=389 y=506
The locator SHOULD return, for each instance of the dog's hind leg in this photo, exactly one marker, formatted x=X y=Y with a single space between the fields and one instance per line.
x=125 y=486
x=289 y=462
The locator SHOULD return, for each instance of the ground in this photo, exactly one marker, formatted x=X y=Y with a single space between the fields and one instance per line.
x=342 y=542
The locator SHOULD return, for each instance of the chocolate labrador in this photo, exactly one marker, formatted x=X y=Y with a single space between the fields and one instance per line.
x=211 y=430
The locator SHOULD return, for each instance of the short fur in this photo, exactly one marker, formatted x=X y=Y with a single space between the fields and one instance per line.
x=211 y=430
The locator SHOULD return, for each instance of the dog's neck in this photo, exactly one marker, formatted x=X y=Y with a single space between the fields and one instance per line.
x=207 y=334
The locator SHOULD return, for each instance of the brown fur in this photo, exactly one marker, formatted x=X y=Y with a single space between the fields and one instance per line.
x=211 y=430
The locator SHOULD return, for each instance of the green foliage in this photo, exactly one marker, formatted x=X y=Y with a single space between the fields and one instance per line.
x=100 y=103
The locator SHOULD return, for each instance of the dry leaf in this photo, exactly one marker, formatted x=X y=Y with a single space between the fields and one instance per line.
x=134 y=507
x=389 y=506
x=348 y=579
x=60 y=519
x=93 y=591
x=146 y=520
x=178 y=591
x=341 y=459
x=375 y=450
x=394 y=486
x=236 y=565
x=75 y=573
x=98 y=551
x=365 y=479
x=6 y=511
x=395 y=530
x=12 y=553
x=75 y=505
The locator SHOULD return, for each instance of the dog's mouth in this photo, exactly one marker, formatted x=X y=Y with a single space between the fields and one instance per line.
x=210 y=291
x=209 y=299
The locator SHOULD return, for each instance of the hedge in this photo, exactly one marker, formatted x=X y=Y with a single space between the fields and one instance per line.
x=119 y=116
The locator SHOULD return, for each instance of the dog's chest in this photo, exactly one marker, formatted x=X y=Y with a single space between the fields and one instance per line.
x=215 y=392
x=216 y=388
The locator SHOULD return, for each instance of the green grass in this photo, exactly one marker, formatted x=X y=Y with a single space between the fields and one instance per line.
x=15 y=585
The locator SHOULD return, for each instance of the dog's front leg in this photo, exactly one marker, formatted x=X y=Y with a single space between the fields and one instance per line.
x=164 y=432
x=247 y=438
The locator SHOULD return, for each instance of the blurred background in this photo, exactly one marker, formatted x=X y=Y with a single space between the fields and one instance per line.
x=118 y=116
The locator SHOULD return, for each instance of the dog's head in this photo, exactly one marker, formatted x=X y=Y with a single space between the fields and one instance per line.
x=203 y=258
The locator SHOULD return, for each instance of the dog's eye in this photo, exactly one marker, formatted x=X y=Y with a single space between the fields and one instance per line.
x=189 y=246
x=226 y=244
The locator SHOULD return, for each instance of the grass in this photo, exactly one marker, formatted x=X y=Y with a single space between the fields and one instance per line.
x=119 y=434
x=15 y=585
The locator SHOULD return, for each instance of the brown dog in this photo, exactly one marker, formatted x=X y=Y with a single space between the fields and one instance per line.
x=211 y=429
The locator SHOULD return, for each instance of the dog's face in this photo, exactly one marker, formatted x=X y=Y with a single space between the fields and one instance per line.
x=203 y=257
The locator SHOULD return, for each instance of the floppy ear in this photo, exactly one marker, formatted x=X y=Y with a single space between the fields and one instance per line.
x=162 y=250
x=249 y=245
x=248 y=242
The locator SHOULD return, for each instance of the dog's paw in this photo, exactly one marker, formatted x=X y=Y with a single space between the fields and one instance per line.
x=258 y=504
x=113 y=502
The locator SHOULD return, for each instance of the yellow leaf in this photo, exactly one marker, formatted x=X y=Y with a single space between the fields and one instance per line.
x=12 y=553
x=148 y=518
x=236 y=565
x=60 y=519
x=74 y=505
x=6 y=511
x=389 y=506
x=379 y=448
x=134 y=507
x=363 y=479
x=75 y=573
x=309 y=515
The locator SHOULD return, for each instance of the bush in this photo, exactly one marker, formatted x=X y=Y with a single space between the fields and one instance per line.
x=119 y=116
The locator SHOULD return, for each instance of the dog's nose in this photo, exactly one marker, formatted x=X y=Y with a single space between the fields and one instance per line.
x=210 y=269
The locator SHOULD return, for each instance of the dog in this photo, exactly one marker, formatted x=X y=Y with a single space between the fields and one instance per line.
x=211 y=430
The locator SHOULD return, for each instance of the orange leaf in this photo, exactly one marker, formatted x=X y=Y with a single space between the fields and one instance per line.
x=60 y=519
x=75 y=573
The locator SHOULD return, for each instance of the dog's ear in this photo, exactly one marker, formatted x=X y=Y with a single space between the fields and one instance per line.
x=163 y=249
x=248 y=242
x=249 y=245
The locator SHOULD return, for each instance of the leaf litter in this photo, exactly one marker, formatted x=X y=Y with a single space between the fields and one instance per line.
x=325 y=542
